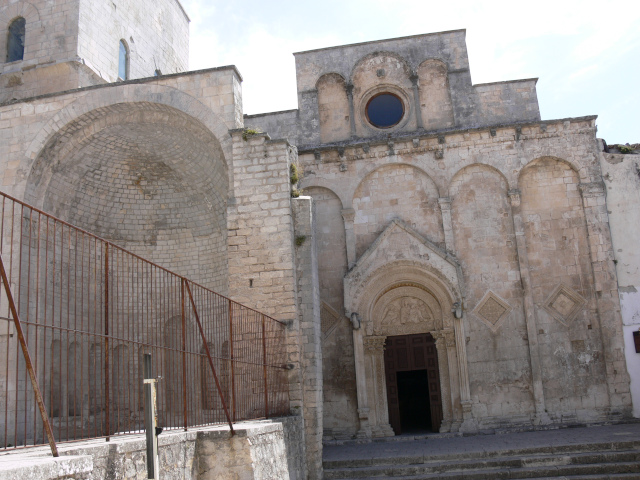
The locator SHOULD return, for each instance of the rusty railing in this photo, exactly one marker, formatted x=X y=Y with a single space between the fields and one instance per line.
x=89 y=310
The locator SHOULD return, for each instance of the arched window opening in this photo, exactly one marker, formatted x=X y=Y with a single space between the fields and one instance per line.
x=123 y=61
x=15 y=42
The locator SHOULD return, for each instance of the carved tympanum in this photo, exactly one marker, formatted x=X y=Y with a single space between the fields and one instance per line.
x=406 y=310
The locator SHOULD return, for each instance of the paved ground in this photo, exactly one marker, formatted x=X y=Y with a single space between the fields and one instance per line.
x=438 y=444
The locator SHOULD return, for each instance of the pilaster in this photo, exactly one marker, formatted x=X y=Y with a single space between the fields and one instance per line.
x=529 y=309
x=416 y=100
x=447 y=224
x=348 y=215
x=445 y=388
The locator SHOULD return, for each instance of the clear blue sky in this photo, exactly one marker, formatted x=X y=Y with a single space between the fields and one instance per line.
x=585 y=53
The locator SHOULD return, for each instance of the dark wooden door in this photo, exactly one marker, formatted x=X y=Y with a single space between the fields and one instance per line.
x=406 y=353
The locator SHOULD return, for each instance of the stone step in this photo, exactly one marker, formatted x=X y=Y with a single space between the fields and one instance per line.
x=490 y=476
x=520 y=453
x=508 y=467
x=613 y=476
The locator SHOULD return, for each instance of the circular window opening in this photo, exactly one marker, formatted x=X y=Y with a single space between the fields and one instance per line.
x=385 y=110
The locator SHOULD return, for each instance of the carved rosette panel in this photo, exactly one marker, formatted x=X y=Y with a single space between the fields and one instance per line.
x=329 y=319
x=492 y=311
x=564 y=304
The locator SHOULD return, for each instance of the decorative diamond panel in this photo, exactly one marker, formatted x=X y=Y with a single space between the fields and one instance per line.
x=329 y=318
x=564 y=304
x=492 y=310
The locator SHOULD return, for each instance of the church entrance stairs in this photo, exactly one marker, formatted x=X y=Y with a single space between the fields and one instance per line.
x=581 y=453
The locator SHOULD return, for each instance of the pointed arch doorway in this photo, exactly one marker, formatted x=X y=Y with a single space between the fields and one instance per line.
x=413 y=383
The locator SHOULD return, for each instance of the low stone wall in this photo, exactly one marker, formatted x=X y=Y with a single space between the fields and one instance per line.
x=269 y=449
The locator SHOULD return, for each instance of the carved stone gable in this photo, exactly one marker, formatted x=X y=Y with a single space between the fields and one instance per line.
x=399 y=245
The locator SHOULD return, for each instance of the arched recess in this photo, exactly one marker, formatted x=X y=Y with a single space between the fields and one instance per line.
x=485 y=244
x=435 y=97
x=382 y=72
x=331 y=245
x=333 y=108
x=103 y=98
x=562 y=284
x=13 y=11
x=396 y=191
x=146 y=176
x=340 y=408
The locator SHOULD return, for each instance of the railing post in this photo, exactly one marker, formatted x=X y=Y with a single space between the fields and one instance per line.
x=206 y=349
x=264 y=368
x=106 y=341
x=150 y=419
x=27 y=361
x=232 y=369
x=184 y=354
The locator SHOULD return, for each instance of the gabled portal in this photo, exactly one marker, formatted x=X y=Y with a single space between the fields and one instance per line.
x=405 y=285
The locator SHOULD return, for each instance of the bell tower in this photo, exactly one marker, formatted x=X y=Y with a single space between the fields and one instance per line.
x=48 y=47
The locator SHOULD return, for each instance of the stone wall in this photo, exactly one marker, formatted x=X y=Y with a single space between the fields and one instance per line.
x=305 y=226
x=278 y=124
x=156 y=34
x=622 y=180
x=262 y=450
x=263 y=266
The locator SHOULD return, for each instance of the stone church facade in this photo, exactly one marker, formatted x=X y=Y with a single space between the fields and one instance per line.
x=470 y=219
x=447 y=236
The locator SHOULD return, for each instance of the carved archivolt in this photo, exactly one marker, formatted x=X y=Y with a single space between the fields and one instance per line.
x=371 y=289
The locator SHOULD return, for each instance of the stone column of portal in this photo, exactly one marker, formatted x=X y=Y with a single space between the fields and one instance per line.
x=348 y=214
x=416 y=100
x=454 y=382
x=469 y=424
x=352 y=116
x=447 y=224
x=607 y=297
x=361 y=385
x=529 y=310
x=445 y=388
x=374 y=353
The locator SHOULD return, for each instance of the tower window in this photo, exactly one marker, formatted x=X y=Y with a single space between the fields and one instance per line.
x=385 y=110
x=15 y=43
x=123 y=61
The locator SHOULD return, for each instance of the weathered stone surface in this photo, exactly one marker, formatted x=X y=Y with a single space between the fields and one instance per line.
x=258 y=451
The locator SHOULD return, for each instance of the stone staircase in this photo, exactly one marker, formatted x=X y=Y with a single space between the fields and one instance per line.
x=619 y=459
